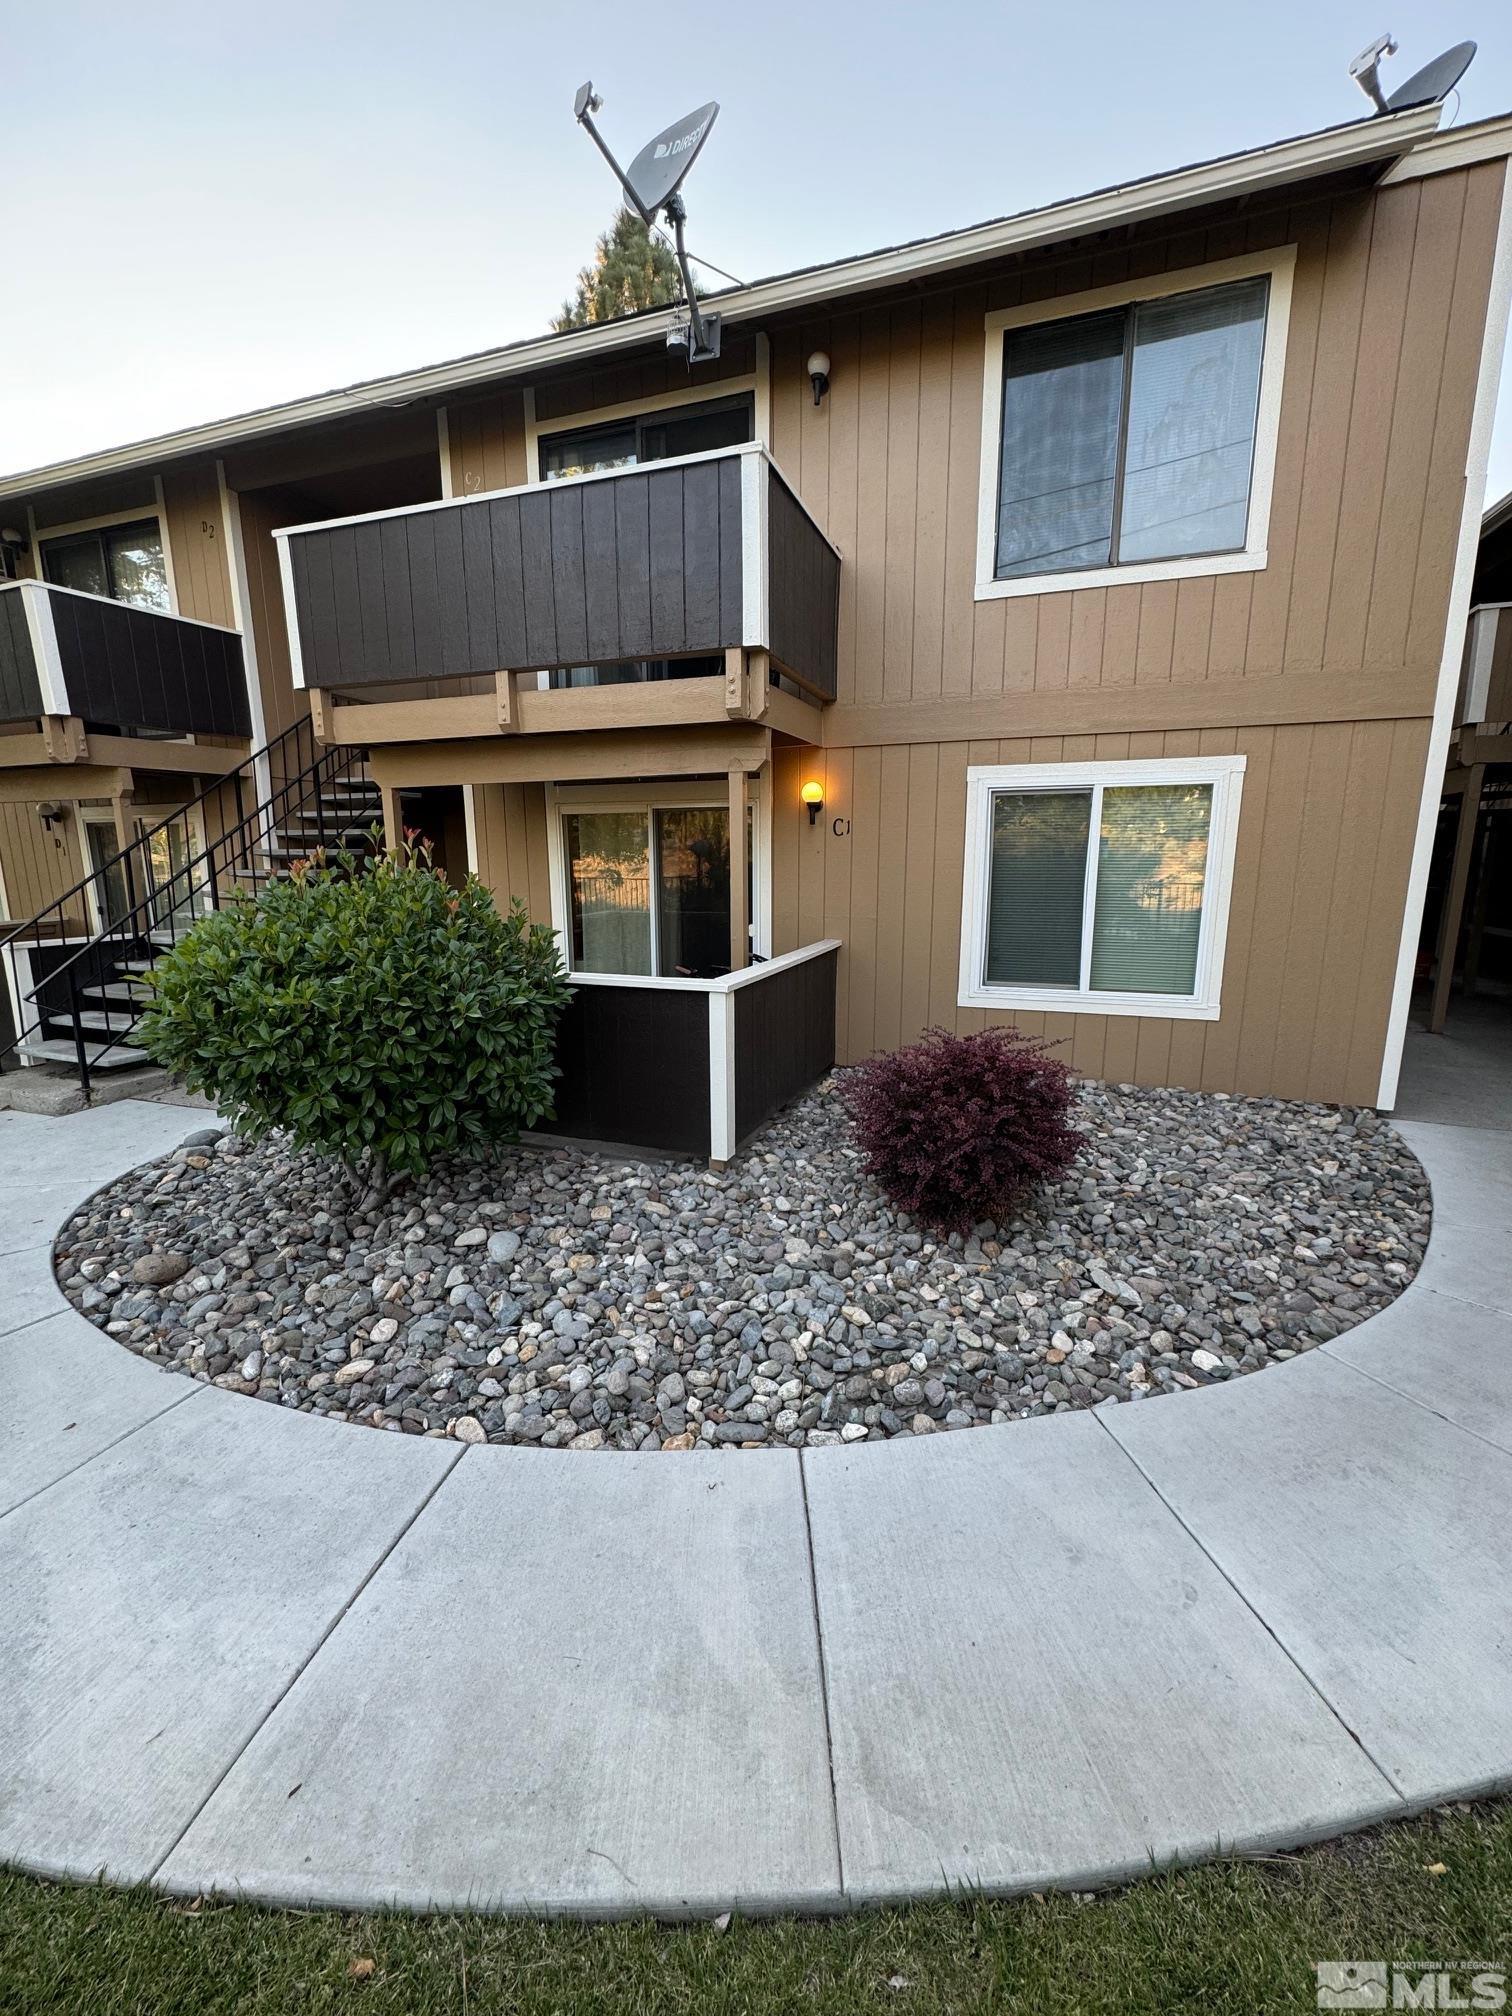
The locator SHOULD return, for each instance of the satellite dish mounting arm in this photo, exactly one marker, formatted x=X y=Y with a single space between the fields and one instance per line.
x=678 y=146
x=698 y=341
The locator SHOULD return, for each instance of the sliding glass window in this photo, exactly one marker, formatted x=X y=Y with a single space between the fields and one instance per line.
x=124 y=562
x=1129 y=436
x=1092 y=884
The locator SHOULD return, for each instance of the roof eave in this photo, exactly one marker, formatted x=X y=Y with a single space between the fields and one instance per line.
x=1338 y=148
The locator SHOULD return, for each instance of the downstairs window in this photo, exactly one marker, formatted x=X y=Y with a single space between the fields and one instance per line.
x=1099 y=886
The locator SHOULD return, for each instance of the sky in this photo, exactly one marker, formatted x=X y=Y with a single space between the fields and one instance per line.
x=220 y=207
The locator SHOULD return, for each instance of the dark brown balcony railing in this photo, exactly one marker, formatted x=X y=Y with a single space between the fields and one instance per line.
x=67 y=653
x=675 y=559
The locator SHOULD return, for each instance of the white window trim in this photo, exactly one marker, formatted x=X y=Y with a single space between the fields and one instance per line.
x=1224 y=773
x=1279 y=265
x=564 y=798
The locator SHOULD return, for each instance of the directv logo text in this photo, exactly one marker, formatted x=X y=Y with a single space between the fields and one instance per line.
x=665 y=148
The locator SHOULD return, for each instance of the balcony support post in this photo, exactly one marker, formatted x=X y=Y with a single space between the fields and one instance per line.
x=504 y=698
x=320 y=715
x=740 y=940
x=1454 y=900
x=393 y=819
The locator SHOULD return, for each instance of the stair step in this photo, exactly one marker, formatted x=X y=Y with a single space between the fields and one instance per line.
x=99 y=1022
x=50 y=1050
x=124 y=991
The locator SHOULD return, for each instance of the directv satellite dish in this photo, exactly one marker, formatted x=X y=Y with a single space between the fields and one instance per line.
x=653 y=184
x=656 y=174
x=1430 y=84
x=1434 y=81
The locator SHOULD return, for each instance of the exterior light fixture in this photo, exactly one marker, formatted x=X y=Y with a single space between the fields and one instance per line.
x=819 y=370
x=813 y=796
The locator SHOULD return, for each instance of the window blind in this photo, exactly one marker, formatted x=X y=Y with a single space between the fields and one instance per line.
x=1037 y=883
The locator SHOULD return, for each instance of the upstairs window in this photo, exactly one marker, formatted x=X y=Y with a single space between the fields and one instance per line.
x=124 y=562
x=653 y=436
x=1135 y=442
x=1100 y=886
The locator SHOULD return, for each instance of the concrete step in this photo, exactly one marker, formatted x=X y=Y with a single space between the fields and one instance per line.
x=99 y=1022
x=127 y=992
x=52 y=1050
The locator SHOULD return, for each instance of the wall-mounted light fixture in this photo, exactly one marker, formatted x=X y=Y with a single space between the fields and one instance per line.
x=52 y=812
x=819 y=370
x=12 y=546
x=813 y=796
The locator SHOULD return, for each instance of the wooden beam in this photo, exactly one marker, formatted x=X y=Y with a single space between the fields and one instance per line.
x=786 y=714
x=1454 y=901
x=193 y=759
x=740 y=942
x=1475 y=749
x=17 y=751
x=759 y=687
x=565 y=759
x=504 y=695
x=65 y=738
x=654 y=703
x=80 y=780
x=1289 y=698
x=321 y=715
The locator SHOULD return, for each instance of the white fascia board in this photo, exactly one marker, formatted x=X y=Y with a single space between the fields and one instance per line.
x=1341 y=147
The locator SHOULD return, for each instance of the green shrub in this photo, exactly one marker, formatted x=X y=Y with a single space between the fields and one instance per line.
x=375 y=1013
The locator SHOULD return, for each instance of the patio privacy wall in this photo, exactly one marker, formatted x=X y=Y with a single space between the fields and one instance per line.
x=1320 y=668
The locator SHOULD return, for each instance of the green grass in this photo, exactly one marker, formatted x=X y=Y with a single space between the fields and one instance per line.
x=1232 y=1939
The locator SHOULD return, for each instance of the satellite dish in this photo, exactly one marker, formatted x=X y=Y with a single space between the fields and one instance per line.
x=656 y=174
x=653 y=184
x=1430 y=84
x=1434 y=81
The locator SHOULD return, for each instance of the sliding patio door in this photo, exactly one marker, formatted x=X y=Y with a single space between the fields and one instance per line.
x=648 y=888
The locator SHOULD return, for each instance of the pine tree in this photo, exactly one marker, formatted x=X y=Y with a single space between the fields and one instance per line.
x=630 y=270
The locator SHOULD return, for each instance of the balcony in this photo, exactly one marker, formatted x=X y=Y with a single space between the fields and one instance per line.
x=706 y=557
x=1485 y=691
x=82 y=665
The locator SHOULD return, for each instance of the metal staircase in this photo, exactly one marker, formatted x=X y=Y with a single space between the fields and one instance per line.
x=75 y=970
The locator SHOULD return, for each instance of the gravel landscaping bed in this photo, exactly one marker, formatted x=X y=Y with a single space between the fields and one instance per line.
x=572 y=1300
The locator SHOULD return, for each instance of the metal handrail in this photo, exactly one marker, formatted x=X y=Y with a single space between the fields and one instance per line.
x=239 y=857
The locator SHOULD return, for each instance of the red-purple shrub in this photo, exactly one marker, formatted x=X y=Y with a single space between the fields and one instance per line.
x=956 y=1128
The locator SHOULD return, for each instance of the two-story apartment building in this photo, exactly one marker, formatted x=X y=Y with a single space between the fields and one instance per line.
x=1056 y=621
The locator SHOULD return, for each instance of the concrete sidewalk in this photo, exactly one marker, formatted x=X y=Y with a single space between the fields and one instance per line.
x=252 y=1651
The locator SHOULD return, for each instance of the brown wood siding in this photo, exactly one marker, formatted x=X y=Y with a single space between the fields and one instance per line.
x=283 y=704
x=1324 y=845
x=37 y=867
x=197 y=541
x=510 y=824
